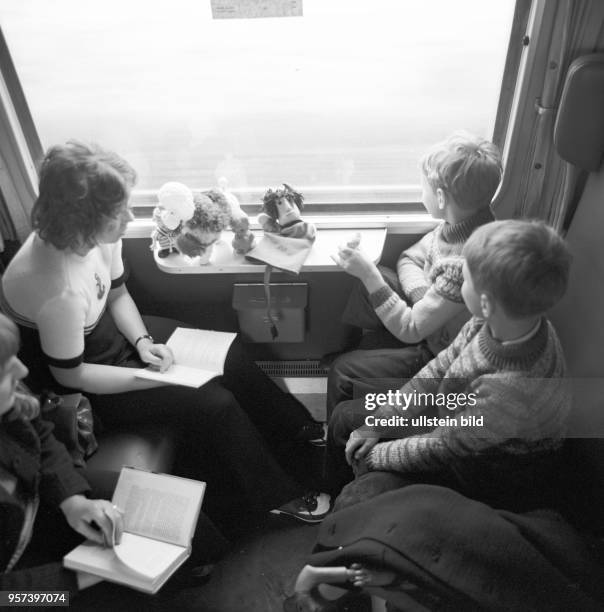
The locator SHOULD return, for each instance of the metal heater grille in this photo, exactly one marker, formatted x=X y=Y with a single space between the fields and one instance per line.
x=306 y=368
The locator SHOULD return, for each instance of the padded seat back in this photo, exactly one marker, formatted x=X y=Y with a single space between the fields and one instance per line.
x=579 y=321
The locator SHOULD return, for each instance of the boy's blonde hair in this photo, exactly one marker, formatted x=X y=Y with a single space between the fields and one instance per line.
x=466 y=167
x=524 y=265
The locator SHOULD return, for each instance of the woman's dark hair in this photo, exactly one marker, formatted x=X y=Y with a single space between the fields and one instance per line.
x=80 y=185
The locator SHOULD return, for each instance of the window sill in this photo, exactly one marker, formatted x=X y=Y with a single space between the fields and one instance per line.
x=404 y=223
x=225 y=261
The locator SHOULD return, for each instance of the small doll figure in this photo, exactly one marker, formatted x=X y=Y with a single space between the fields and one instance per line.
x=174 y=208
x=243 y=239
x=280 y=214
x=287 y=239
x=203 y=229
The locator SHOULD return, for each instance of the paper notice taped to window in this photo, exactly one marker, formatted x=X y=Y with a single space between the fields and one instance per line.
x=250 y=9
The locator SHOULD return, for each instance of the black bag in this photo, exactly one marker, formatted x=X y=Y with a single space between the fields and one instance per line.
x=74 y=424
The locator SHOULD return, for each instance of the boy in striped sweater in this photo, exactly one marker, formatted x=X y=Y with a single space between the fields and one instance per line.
x=494 y=403
x=417 y=312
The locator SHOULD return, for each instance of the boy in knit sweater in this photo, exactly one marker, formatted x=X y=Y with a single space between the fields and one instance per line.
x=495 y=406
x=422 y=310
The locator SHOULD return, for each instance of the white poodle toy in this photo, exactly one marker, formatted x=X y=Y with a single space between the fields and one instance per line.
x=175 y=208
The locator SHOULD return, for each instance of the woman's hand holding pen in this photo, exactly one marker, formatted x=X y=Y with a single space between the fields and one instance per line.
x=158 y=356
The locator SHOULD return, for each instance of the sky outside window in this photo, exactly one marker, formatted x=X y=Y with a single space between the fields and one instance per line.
x=349 y=95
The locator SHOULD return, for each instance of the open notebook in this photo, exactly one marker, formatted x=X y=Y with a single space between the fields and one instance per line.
x=199 y=356
x=160 y=515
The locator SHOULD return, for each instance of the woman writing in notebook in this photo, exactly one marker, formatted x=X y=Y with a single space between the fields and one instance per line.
x=81 y=329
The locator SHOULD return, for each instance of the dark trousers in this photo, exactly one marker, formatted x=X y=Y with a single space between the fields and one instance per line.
x=237 y=431
x=358 y=372
x=379 y=355
x=515 y=482
x=347 y=417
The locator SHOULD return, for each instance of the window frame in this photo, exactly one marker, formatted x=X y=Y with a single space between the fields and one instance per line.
x=27 y=148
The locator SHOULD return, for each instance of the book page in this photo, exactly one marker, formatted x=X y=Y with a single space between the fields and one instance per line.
x=149 y=558
x=179 y=375
x=140 y=563
x=200 y=348
x=199 y=356
x=159 y=506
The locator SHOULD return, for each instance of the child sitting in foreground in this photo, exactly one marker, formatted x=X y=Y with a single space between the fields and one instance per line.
x=459 y=179
x=506 y=405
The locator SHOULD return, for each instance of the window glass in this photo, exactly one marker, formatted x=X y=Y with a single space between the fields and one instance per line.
x=340 y=103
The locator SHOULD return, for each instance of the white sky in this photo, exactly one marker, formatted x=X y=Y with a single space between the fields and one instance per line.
x=120 y=65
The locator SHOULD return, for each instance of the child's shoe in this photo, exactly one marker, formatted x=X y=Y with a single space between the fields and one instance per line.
x=312 y=507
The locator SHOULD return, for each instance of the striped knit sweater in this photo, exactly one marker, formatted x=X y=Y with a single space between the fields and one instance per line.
x=519 y=391
x=431 y=278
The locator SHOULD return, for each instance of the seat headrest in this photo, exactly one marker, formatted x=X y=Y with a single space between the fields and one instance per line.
x=579 y=128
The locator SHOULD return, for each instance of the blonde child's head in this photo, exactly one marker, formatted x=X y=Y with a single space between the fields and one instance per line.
x=465 y=169
x=522 y=266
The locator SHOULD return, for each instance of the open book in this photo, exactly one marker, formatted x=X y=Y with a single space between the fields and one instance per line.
x=199 y=356
x=160 y=515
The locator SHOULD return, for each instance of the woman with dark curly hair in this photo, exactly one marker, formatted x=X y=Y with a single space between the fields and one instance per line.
x=66 y=289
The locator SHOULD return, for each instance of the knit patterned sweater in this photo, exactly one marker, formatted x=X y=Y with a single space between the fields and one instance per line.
x=430 y=273
x=519 y=391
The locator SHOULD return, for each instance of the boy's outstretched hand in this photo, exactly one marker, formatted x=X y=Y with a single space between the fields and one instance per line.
x=354 y=261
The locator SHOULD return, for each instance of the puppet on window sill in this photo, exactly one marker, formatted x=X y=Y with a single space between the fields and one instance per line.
x=287 y=239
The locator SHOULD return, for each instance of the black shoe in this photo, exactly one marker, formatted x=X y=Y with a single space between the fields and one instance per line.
x=313 y=433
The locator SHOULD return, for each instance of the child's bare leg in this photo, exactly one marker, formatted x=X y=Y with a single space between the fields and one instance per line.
x=312 y=576
x=369 y=577
x=312 y=594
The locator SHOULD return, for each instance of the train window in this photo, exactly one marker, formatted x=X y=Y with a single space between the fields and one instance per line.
x=340 y=102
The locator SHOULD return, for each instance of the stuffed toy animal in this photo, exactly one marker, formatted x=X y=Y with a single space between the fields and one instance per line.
x=243 y=239
x=203 y=229
x=175 y=206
